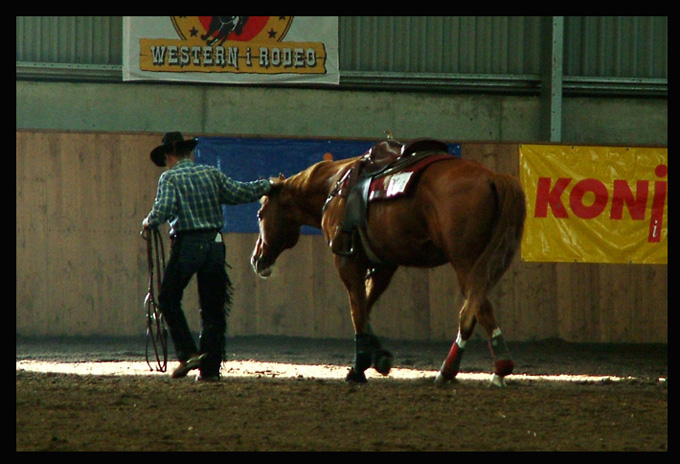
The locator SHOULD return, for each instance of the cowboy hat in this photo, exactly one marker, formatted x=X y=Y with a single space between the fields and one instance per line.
x=172 y=141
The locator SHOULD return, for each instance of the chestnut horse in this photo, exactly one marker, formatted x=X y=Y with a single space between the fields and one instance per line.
x=459 y=212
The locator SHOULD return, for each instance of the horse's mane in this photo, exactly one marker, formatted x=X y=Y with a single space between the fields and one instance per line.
x=308 y=190
x=317 y=177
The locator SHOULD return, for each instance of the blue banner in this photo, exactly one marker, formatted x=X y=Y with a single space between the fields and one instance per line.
x=248 y=158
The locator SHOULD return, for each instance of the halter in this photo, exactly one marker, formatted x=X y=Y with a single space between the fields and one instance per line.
x=156 y=331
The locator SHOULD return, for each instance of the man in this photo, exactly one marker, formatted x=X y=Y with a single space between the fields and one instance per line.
x=189 y=197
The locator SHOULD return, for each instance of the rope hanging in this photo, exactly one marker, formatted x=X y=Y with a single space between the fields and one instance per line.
x=156 y=330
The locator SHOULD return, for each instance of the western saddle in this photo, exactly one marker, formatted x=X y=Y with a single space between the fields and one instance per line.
x=386 y=156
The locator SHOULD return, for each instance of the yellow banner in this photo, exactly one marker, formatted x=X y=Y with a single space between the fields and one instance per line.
x=595 y=204
x=165 y=55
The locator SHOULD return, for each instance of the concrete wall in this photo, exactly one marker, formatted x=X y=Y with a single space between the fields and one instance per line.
x=234 y=110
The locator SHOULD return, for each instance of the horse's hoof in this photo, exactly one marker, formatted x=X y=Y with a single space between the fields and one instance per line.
x=383 y=361
x=442 y=379
x=355 y=377
x=498 y=381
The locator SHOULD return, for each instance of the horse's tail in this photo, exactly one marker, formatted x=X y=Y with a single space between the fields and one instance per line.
x=505 y=237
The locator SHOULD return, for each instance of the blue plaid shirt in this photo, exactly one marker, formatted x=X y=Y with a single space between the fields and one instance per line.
x=190 y=196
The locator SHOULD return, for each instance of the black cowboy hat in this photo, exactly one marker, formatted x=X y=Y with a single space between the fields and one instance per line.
x=171 y=141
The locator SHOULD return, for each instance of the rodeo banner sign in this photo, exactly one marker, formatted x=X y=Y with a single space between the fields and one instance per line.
x=595 y=204
x=231 y=49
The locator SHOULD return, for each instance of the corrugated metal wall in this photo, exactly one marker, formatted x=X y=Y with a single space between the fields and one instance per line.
x=441 y=44
x=407 y=49
x=69 y=39
x=616 y=46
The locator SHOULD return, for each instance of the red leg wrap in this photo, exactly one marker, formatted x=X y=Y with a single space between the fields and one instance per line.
x=503 y=367
x=451 y=365
x=503 y=364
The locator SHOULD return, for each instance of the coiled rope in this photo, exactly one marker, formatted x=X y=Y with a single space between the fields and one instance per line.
x=156 y=330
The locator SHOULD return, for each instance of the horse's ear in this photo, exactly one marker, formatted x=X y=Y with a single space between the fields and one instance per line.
x=277 y=184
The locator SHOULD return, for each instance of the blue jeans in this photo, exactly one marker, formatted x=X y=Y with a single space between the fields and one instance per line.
x=197 y=253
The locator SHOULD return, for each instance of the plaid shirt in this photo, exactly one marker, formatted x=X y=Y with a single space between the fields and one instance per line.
x=190 y=196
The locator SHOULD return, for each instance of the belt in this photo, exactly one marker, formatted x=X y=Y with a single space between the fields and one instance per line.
x=208 y=234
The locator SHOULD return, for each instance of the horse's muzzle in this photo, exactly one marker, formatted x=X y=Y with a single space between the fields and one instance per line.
x=259 y=265
x=262 y=271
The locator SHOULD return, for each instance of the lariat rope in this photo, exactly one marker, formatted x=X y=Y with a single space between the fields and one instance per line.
x=156 y=331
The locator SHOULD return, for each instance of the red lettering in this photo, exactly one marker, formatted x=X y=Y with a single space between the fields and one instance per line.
x=545 y=196
x=636 y=204
x=550 y=196
x=576 y=198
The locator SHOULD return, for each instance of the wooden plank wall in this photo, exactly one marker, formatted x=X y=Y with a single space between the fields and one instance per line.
x=81 y=264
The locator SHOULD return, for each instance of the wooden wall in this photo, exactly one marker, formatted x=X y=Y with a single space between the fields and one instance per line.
x=81 y=264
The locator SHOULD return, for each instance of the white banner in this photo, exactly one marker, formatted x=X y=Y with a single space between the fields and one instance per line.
x=231 y=49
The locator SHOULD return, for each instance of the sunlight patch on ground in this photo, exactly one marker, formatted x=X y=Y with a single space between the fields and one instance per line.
x=249 y=368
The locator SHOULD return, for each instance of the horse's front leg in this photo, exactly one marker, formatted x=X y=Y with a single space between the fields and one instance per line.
x=363 y=292
x=365 y=343
x=377 y=281
x=352 y=276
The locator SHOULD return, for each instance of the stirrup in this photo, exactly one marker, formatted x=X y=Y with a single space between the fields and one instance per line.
x=338 y=246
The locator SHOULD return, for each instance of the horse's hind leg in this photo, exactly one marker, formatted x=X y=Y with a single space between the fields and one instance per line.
x=451 y=364
x=469 y=315
x=503 y=363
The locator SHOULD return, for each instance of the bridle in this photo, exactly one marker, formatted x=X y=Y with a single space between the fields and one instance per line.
x=156 y=330
x=263 y=243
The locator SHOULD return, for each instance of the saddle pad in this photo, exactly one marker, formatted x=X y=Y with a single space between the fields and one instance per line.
x=396 y=184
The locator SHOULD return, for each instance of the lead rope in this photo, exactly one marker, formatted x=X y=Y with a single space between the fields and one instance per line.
x=156 y=331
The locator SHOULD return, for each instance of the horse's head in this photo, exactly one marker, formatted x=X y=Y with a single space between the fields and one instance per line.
x=279 y=229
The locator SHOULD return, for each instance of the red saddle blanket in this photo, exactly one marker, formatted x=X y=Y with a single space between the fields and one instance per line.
x=396 y=184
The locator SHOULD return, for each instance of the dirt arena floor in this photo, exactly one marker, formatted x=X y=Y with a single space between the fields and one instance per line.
x=283 y=394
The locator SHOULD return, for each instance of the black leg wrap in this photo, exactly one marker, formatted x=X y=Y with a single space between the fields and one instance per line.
x=368 y=353
x=382 y=361
x=364 y=346
x=355 y=377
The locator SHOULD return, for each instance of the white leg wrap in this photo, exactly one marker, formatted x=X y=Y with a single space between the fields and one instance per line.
x=460 y=342
x=439 y=379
